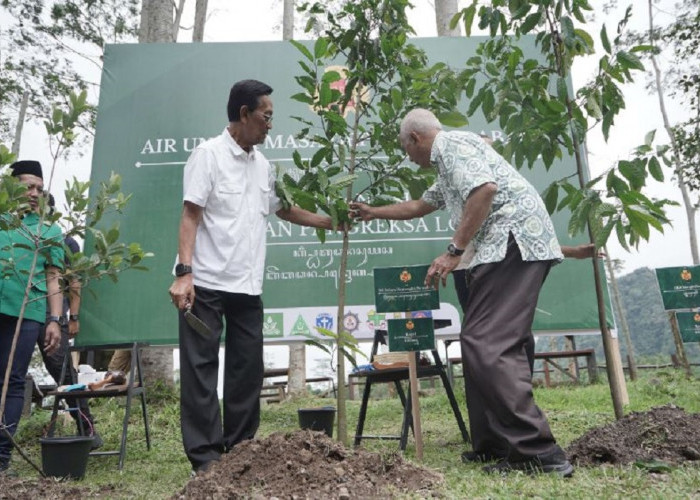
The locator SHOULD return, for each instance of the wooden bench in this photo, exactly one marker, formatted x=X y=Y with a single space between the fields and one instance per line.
x=548 y=359
x=277 y=391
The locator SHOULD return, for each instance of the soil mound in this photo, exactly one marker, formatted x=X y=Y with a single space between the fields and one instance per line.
x=308 y=465
x=665 y=433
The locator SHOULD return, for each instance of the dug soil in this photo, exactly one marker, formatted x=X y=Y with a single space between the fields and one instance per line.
x=309 y=465
x=667 y=434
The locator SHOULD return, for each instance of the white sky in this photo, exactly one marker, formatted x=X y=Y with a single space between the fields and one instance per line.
x=245 y=20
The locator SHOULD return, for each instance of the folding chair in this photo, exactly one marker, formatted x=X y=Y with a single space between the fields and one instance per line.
x=133 y=387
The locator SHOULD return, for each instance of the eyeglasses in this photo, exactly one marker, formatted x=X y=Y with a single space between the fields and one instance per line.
x=267 y=118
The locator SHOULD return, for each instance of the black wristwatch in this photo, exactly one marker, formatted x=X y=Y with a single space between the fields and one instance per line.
x=73 y=317
x=182 y=269
x=454 y=251
x=57 y=319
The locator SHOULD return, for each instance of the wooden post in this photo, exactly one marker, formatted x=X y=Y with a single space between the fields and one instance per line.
x=680 y=350
x=415 y=405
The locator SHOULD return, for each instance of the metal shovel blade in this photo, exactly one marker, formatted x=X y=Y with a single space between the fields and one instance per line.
x=197 y=324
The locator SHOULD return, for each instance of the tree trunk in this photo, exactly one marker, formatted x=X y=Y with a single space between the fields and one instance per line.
x=16 y=141
x=445 y=10
x=200 y=19
x=178 y=15
x=156 y=21
x=623 y=319
x=288 y=20
x=297 y=352
x=687 y=203
x=157 y=26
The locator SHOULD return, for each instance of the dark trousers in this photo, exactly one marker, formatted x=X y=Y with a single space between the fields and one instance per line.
x=28 y=334
x=498 y=355
x=54 y=365
x=203 y=436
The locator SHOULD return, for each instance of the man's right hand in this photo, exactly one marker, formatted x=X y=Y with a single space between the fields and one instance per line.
x=361 y=211
x=182 y=292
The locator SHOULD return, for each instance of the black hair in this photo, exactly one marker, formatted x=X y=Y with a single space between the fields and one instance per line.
x=245 y=93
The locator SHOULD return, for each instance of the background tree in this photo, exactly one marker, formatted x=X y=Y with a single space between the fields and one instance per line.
x=358 y=111
x=542 y=118
x=39 y=50
x=685 y=137
x=445 y=10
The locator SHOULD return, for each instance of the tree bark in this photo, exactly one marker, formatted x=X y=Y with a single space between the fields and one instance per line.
x=157 y=26
x=445 y=10
x=687 y=203
x=17 y=140
x=200 y=19
x=156 y=21
x=288 y=20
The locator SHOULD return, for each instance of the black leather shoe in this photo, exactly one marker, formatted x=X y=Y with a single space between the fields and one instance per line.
x=554 y=462
x=471 y=457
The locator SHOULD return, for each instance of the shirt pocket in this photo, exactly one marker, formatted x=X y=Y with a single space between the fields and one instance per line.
x=230 y=196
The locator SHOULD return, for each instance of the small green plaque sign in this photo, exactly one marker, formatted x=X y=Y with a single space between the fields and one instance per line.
x=689 y=325
x=680 y=287
x=401 y=289
x=411 y=334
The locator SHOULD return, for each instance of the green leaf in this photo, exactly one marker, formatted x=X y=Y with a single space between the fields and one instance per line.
x=320 y=48
x=649 y=138
x=453 y=119
x=655 y=169
x=629 y=61
x=653 y=465
x=605 y=40
x=302 y=48
x=530 y=22
x=550 y=197
x=469 y=13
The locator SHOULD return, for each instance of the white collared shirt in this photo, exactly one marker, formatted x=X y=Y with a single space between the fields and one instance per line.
x=237 y=191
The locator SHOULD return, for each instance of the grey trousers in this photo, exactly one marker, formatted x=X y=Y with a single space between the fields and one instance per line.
x=498 y=355
x=203 y=435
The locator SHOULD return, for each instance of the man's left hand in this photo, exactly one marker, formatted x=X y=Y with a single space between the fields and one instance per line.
x=52 y=338
x=440 y=269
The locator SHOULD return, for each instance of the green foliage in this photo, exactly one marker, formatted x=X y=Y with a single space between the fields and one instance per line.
x=543 y=118
x=359 y=106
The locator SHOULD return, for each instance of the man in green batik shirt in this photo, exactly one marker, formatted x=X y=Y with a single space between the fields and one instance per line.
x=17 y=248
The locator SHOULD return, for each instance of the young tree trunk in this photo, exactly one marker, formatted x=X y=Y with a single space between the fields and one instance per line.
x=445 y=10
x=296 y=379
x=200 y=19
x=157 y=26
x=687 y=203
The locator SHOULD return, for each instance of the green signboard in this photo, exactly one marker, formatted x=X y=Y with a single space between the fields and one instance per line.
x=411 y=334
x=689 y=325
x=399 y=289
x=680 y=287
x=158 y=101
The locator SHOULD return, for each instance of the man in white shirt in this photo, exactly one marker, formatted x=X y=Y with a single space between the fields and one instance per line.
x=229 y=190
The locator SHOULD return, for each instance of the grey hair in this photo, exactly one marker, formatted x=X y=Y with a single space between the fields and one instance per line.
x=418 y=120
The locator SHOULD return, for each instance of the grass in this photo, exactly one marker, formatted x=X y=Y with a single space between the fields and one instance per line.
x=571 y=409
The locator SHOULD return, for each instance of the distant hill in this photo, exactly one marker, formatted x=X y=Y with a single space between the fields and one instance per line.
x=647 y=321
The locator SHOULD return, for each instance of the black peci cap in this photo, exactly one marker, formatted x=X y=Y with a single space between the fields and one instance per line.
x=26 y=167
